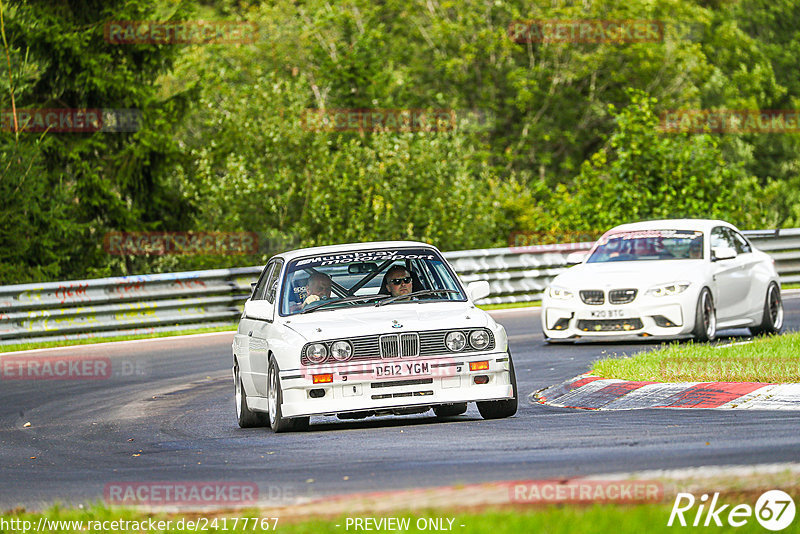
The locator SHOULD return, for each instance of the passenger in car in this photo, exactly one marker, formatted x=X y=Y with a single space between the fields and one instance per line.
x=318 y=288
x=643 y=247
x=696 y=248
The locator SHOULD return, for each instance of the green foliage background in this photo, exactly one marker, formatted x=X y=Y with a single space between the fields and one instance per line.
x=567 y=139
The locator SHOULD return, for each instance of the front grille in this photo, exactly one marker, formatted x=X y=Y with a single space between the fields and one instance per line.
x=390 y=348
x=407 y=344
x=621 y=296
x=609 y=325
x=402 y=345
x=592 y=296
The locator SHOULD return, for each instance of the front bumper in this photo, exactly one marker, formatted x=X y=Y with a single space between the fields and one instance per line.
x=664 y=317
x=355 y=387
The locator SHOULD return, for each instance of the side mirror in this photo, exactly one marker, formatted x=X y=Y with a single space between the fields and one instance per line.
x=478 y=290
x=259 y=309
x=574 y=258
x=722 y=253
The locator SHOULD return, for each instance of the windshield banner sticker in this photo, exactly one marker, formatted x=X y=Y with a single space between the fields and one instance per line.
x=368 y=255
x=644 y=234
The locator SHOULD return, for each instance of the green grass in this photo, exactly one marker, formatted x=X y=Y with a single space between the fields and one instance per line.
x=93 y=340
x=565 y=519
x=765 y=359
x=509 y=305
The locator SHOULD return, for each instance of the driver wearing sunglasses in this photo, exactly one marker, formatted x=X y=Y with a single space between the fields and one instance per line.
x=398 y=281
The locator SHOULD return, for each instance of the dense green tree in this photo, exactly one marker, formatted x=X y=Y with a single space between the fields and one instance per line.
x=643 y=174
x=84 y=184
x=567 y=136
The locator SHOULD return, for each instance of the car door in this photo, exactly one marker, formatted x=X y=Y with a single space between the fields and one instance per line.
x=241 y=340
x=262 y=330
x=727 y=276
x=752 y=298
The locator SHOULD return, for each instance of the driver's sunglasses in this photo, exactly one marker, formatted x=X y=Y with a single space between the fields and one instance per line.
x=398 y=281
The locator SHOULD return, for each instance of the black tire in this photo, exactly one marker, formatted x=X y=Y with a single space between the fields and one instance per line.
x=277 y=422
x=450 y=410
x=502 y=408
x=705 y=323
x=244 y=416
x=772 y=320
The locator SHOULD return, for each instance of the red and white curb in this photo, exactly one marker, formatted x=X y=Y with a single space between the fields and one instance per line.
x=596 y=393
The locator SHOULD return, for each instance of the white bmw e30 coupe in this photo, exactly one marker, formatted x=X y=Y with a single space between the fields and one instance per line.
x=367 y=329
x=667 y=278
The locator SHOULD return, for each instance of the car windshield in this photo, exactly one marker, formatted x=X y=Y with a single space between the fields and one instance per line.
x=648 y=245
x=367 y=278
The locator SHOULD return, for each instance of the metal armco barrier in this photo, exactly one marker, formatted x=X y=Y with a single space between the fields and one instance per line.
x=178 y=301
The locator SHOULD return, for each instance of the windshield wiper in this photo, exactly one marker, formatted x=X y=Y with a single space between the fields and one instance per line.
x=345 y=300
x=416 y=294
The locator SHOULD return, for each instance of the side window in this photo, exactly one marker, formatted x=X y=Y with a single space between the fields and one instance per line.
x=720 y=237
x=258 y=294
x=271 y=287
x=742 y=246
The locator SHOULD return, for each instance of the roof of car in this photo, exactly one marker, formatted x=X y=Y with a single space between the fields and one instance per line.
x=673 y=224
x=351 y=247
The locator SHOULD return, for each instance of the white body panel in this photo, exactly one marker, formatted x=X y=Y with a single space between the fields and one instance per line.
x=738 y=286
x=443 y=377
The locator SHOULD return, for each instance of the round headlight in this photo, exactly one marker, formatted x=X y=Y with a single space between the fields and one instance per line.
x=455 y=341
x=316 y=353
x=479 y=339
x=341 y=351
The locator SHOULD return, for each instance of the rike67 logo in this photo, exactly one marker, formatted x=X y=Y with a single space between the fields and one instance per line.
x=774 y=510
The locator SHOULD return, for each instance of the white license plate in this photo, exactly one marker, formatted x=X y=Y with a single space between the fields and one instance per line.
x=607 y=314
x=401 y=369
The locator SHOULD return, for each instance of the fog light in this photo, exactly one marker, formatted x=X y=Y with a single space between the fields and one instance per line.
x=481 y=379
x=561 y=324
x=663 y=321
x=322 y=379
x=478 y=366
x=316 y=393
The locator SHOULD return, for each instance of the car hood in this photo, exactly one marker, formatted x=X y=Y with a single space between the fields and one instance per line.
x=628 y=274
x=370 y=320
